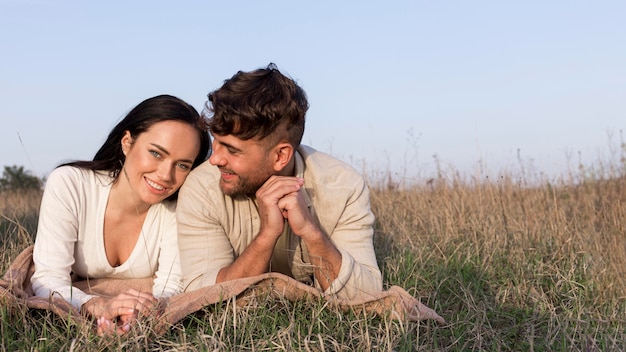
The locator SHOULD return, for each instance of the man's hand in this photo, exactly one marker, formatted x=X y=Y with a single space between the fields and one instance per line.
x=271 y=200
x=294 y=208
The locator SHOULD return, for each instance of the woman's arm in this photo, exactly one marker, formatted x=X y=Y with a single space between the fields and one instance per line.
x=57 y=234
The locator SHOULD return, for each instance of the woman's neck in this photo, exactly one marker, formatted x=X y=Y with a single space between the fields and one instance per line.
x=123 y=198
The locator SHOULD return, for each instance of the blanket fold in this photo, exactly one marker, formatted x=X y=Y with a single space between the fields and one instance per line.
x=16 y=291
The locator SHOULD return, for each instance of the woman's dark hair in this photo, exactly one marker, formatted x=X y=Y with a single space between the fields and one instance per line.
x=110 y=157
x=258 y=104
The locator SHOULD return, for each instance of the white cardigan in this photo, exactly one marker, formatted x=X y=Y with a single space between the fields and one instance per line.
x=70 y=239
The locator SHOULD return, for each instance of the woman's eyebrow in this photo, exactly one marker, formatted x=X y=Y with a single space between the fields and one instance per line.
x=164 y=151
x=161 y=148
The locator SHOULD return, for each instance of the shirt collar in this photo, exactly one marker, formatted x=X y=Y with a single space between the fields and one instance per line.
x=299 y=172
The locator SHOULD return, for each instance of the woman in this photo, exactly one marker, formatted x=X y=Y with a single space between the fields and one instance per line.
x=114 y=216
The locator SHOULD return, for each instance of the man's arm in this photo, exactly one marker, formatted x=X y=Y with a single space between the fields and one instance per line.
x=352 y=233
x=255 y=259
x=278 y=199
x=344 y=261
x=325 y=257
x=206 y=254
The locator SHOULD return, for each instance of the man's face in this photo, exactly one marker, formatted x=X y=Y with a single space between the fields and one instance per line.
x=245 y=164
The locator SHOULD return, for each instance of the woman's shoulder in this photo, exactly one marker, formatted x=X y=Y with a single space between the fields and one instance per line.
x=72 y=176
x=65 y=174
x=164 y=211
x=166 y=206
x=162 y=216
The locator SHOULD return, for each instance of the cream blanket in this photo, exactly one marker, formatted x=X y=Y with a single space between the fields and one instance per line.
x=15 y=291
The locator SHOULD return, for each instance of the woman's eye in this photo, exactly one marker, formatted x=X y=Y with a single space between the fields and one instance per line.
x=184 y=167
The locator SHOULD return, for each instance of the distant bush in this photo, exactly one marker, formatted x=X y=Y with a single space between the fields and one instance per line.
x=16 y=178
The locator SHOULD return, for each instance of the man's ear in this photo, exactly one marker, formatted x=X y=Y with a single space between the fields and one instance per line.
x=126 y=142
x=282 y=155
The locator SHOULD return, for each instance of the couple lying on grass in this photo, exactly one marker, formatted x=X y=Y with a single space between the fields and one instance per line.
x=262 y=202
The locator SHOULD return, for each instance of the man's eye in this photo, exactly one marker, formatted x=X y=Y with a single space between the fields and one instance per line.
x=155 y=153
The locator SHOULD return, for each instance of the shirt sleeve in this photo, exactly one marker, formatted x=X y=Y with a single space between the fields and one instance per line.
x=57 y=233
x=202 y=240
x=168 y=277
x=353 y=236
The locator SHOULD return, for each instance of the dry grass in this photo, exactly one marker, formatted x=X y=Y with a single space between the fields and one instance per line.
x=511 y=264
x=575 y=231
x=18 y=222
x=20 y=202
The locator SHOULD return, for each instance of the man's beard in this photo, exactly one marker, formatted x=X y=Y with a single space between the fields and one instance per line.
x=245 y=186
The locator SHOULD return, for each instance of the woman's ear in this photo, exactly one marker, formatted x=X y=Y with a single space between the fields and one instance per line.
x=282 y=154
x=127 y=141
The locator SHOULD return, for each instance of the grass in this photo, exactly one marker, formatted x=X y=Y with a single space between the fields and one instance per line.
x=519 y=263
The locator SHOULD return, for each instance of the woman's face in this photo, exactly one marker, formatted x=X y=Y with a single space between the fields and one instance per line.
x=159 y=159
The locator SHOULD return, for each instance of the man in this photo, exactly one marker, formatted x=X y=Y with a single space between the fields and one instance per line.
x=263 y=202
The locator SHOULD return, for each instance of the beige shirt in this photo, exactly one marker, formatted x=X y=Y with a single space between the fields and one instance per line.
x=213 y=229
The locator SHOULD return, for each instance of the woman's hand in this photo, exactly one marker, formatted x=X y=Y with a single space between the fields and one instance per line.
x=118 y=313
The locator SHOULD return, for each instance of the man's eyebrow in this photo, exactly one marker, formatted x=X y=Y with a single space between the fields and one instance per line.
x=230 y=146
x=166 y=152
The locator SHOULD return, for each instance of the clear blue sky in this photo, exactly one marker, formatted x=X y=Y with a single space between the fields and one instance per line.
x=390 y=85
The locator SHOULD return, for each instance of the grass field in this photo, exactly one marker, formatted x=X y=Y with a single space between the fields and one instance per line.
x=516 y=263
